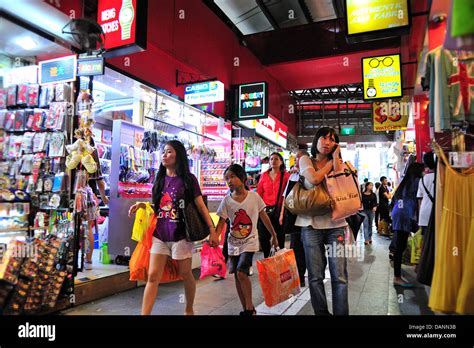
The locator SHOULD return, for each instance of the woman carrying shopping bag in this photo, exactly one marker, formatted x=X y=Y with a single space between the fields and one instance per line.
x=320 y=230
x=270 y=188
x=173 y=182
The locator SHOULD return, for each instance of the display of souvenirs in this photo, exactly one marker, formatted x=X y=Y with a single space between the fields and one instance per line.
x=3 y=98
x=22 y=95
x=33 y=95
x=11 y=99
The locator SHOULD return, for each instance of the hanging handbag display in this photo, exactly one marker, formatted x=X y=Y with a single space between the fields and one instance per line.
x=312 y=202
x=344 y=190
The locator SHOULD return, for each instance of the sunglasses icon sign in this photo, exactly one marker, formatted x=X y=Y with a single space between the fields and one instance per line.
x=375 y=62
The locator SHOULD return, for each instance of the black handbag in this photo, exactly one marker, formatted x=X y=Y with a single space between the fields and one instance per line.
x=272 y=210
x=195 y=225
x=354 y=222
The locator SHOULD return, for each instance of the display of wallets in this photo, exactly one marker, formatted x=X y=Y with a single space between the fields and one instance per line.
x=22 y=94
x=29 y=117
x=9 y=120
x=3 y=98
x=19 y=120
x=3 y=113
x=11 y=95
x=39 y=119
x=33 y=95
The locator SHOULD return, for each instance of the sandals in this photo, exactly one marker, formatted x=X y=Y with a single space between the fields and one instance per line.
x=248 y=312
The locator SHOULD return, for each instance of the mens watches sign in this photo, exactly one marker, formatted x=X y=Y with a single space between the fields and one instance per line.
x=382 y=77
x=202 y=93
x=253 y=101
x=124 y=25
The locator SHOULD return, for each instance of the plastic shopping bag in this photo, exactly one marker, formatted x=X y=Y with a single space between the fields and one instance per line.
x=416 y=246
x=139 y=263
x=278 y=276
x=406 y=256
x=142 y=221
x=171 y=273
x=212 y=262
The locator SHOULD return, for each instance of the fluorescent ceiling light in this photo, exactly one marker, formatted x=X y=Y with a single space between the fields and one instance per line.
x=26 y=42
x=108 y=88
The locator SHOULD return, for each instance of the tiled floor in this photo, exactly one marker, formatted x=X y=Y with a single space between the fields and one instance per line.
x=370 y=293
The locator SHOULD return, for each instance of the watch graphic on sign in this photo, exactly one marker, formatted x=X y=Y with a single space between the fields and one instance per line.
x=371 y=91
x=126 y=18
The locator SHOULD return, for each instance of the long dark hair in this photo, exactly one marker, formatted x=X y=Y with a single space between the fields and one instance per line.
x=322 y=132
x=367 y=185
x=414 y=171
x=182 y=170
x=239 y=172
x=282 y=165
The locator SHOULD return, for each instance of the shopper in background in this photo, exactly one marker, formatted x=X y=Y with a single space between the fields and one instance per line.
x=295 y=242
x=425 y=192
x=174 y=182
x=384 y=197
x=243 y=208
x=318 y=231
x=377 y=213
x=369 y=202
x=270 y=188
x=362 y=186
x=404 y=216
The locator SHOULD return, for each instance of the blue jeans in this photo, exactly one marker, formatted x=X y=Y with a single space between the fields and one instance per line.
x=314 y=246
x=368 y=221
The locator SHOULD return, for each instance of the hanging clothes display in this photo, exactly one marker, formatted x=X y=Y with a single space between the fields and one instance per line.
x=451 y=79
x=457 y=29
x=453 y=278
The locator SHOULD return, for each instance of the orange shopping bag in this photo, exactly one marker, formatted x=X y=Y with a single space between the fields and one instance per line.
x=278 y=276
x=140 y=260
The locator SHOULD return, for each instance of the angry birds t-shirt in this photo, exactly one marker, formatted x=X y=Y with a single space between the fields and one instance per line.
x=169 y=225
x=243 y=216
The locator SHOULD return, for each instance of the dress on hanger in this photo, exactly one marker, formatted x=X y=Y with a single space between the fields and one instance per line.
x=452 y=286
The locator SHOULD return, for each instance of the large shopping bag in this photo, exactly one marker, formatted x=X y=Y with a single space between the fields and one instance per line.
x=212 y=262
x=278 y=276
x=416 y=247
x=383 y=228
x=140 y=260
x=142 y=221
x=343 y=187
x=139 y=263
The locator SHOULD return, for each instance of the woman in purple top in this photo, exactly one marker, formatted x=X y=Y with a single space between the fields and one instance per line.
x=173 y=182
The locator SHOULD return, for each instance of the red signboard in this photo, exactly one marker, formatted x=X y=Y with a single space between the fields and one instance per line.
x=118 y=19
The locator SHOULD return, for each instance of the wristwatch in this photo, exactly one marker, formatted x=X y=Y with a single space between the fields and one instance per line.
x=371 y=91
x=126 y=18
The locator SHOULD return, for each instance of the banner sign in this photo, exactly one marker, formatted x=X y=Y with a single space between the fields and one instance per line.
x=391 y=115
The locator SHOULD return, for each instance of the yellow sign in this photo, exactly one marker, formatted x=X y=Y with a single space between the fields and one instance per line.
x=382 y=77
x=391 y=115
x=371 y=15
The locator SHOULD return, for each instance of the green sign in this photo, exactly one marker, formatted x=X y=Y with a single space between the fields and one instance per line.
x=348 y=131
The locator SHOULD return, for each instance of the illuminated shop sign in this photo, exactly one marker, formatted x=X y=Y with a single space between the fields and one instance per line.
x=202 y=93
x=253 y=101
x=382 y=77
x=57 y=70
x=269 y=128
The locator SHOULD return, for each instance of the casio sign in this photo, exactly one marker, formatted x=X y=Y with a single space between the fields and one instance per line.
x=197 y=88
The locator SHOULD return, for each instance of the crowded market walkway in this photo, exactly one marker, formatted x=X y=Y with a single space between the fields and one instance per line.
x=370 y=292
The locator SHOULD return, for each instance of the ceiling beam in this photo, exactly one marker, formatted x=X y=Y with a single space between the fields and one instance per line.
x=267 y=14
x=306 y=12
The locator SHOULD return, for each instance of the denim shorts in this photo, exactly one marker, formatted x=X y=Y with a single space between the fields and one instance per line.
x=241 y=263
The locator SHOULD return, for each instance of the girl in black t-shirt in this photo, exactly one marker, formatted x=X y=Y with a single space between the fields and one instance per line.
x=369 y=201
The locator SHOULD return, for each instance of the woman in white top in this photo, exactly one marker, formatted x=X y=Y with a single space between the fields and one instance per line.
x=319 y=231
